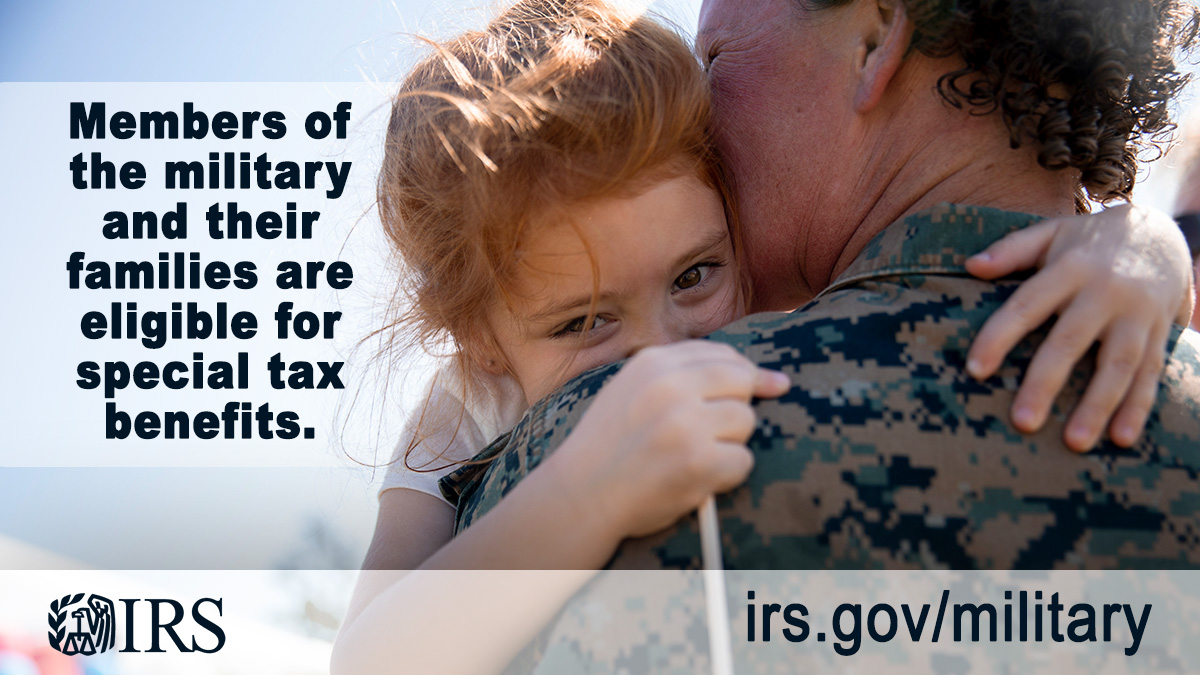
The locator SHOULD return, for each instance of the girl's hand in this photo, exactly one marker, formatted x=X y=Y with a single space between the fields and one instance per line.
x=1119 y=277
x=667 y=431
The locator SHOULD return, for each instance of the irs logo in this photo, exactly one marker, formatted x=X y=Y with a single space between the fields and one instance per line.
x=87 y=628
x=93 y=621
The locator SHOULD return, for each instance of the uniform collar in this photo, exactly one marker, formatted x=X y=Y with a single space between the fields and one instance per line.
x=936 y=241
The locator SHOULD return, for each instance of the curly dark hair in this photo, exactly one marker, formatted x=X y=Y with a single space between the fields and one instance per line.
x=1088 y=81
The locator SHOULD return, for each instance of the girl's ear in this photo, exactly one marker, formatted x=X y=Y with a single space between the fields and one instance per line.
x=493 y=367
x=485 y=355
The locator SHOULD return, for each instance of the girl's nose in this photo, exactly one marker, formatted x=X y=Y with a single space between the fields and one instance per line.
x=653 y=334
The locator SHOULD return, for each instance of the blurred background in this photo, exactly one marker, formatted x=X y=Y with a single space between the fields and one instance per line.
x=295 y=520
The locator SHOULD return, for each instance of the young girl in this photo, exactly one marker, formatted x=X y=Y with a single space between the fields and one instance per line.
x=551 y=188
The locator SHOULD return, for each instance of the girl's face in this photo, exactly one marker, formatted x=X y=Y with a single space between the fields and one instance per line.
x=659 y=265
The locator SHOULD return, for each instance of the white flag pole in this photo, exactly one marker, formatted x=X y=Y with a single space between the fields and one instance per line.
x=720 y=646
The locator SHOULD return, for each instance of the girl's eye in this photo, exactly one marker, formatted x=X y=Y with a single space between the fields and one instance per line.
x=580 y=325
x=689 y=278
x=694 y=276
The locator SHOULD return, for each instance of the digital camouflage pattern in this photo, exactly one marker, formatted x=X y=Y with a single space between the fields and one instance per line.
x=885 y=454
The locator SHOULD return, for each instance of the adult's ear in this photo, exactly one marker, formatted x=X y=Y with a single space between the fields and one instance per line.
x=885 y=40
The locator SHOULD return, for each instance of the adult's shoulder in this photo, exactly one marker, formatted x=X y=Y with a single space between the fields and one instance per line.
x=886 y=454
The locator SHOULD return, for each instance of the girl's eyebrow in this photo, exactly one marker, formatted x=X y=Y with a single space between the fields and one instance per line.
x=561 y=307
x=705 y=246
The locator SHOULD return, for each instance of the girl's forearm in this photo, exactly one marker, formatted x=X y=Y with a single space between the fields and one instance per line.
x=450 y=621
x=544 y=523
x=419 y=616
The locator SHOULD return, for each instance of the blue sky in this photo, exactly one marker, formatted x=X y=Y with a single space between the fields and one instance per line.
x=229 y=40
x=222 y=40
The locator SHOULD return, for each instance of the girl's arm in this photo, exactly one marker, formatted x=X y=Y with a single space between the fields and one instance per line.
x=1119 y=278
x=412 y=523
x=418 y=618
x=666 y=432
x=411 y=527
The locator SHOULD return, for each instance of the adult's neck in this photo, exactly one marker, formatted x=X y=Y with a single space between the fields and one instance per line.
x=973 y=164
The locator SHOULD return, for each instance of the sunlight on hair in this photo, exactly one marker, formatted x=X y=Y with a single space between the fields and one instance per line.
x=499 y=129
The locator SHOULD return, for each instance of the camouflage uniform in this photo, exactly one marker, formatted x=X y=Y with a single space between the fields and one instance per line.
x=885 y=454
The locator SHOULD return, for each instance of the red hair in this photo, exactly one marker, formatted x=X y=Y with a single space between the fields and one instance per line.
x=554 y=103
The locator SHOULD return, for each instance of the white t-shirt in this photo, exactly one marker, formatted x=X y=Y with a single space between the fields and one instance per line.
x=452 y=430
